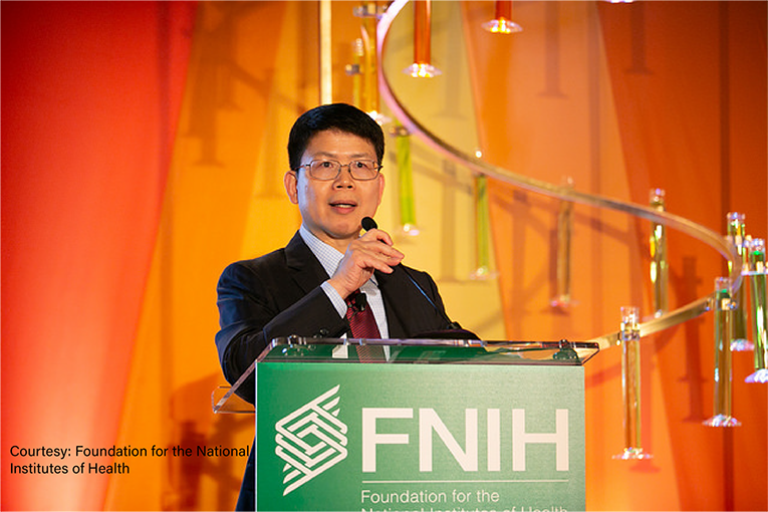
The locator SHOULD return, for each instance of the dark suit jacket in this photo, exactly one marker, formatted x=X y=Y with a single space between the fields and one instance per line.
x=279 y=294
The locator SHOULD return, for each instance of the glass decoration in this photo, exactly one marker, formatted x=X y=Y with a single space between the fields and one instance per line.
x=724 y=326
x=630 y=383
x=502 y=21
x=482 y=231
x=422 y=42
x=325 y=29
x=757 y=281
x=658 y=246
x=564 y=231
x=405 y=179
x=355 y=71
x=736 y=235
x=371 y=9
x=370 y=13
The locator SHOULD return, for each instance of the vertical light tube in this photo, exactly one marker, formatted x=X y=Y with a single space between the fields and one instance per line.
x=405 y=179
x=630 y=383
x=371 y=95
x=369 y=12
x=724 y=309
x=326 y=76
x=659 y=268
x=422 y=31
x=370 y=77
x=356 y=70
x=757 y=279
x=502 y=22
x=482 y=230
x=504 y=9
x=563 y=269
x=422 y=41
x=736 y=234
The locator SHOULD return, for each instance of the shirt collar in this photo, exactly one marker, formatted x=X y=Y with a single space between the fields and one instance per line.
x=328 y=256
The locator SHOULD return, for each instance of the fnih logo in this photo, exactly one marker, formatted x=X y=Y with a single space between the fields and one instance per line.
x=311 y=439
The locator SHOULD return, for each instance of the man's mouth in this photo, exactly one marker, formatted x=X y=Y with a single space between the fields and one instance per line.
x=343 y=204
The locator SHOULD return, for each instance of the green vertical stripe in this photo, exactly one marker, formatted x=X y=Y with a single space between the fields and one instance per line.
x=405 y=174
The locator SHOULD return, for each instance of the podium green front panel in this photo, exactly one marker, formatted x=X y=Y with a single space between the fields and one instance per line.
x=424 y=438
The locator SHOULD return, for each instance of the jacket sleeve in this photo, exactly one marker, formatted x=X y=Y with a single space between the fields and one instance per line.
x=257 y=305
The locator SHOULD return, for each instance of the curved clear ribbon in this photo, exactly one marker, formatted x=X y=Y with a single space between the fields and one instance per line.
x=709 y=237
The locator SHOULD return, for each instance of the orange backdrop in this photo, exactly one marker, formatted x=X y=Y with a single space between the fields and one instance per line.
x=91 y=95
x=142 y=151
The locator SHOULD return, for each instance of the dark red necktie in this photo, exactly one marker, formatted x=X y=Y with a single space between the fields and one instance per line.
x=360 y=317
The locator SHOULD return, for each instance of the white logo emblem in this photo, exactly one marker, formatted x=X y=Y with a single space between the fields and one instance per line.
x=311 y=439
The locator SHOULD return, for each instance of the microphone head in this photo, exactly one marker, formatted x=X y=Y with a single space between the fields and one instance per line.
x=368 y=223
x=361 y=301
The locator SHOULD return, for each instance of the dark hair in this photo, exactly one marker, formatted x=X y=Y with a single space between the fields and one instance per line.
x=336 y=116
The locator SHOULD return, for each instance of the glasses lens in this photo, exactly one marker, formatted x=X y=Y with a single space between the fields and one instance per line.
x=324 y=169
x=363 y=169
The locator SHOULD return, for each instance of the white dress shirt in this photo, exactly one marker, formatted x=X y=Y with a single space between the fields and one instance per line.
x=330 y=258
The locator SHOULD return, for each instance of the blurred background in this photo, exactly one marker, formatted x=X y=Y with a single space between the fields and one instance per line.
x=143 y=149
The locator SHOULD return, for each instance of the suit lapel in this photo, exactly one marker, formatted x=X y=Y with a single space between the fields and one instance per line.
x=306 y=270
x=406 y=313
x=392 y=291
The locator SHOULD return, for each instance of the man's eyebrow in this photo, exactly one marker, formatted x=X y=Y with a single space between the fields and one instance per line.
x=335 y=155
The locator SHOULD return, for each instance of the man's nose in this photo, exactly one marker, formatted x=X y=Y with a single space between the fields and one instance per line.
x=344 y=179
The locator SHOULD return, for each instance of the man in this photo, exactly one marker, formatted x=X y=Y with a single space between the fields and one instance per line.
x=335 y=154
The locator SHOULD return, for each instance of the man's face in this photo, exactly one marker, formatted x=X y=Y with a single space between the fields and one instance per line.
x=332 y=210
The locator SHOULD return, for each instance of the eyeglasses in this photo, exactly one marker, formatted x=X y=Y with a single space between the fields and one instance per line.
x=326 y=170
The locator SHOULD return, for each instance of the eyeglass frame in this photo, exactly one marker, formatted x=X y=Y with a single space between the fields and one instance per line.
x=341 y=166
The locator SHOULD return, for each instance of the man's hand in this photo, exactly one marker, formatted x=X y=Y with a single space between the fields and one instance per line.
x=372 y=251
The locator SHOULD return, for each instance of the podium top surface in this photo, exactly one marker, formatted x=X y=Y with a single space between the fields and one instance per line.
x=296 y=349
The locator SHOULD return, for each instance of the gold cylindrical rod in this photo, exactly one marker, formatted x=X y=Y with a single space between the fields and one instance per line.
x=630 y=384
x=356 y=70
x=757 y=279
x=630 y=365
x=737 y=235
x=659 y=266
x=563 y=268
x=370 y=12
x=724 y=308
x=370 y=76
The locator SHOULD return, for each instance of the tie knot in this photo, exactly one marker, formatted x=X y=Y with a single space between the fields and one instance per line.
x=361 y=320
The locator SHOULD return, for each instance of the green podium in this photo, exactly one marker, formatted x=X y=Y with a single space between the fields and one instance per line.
x=420 y=425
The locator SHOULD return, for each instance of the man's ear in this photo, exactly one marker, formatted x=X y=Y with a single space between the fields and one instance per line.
x=381 y=187
x=291 y=182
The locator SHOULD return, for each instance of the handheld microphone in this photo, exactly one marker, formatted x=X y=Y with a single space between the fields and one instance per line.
x=359 y=302
x=369 y=224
